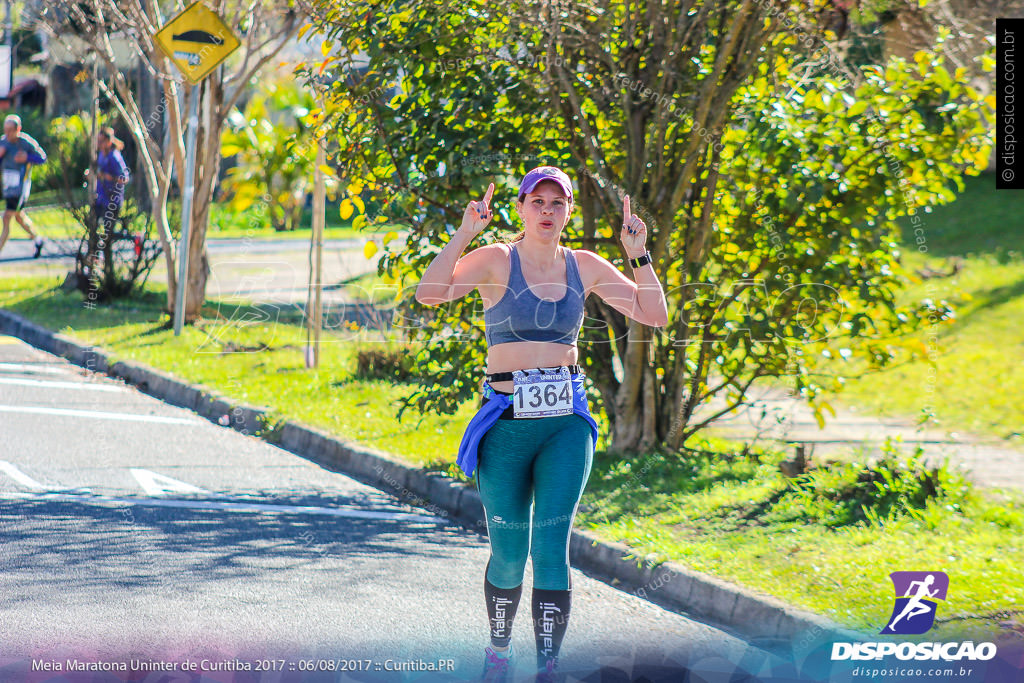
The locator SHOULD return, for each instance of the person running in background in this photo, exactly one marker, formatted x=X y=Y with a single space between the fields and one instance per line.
x=18 y=151
x=111 y=176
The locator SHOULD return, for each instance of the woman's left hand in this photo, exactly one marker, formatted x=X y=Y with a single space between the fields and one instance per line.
x=634 y=231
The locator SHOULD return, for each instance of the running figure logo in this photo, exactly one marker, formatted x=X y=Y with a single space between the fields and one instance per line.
x=917 y=593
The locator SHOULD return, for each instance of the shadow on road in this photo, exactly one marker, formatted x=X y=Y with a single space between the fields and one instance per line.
x=92 y=546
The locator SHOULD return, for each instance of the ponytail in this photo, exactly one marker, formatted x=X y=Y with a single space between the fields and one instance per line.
x=108 y=133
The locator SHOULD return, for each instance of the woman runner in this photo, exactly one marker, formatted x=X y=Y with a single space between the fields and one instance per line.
x=111 y=177
x=532 y=441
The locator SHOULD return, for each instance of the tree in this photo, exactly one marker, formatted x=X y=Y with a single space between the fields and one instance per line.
x=713 y=117
x=91 y=28
x=275 y=152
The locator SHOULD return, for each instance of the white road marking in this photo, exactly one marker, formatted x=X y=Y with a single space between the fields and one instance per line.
x=17 y=475
x=98 y=415
x=52 y=384
x=20 y=477
x=40 y=368
x=109 y=501
x=159 y=485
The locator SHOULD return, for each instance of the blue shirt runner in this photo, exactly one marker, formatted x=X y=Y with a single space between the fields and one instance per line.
x=16 y=180
x=109 y=191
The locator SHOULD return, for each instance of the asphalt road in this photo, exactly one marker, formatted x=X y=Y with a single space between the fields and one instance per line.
x=130 y=530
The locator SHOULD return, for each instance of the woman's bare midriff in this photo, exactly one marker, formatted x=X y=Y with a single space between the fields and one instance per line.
x=527 y=354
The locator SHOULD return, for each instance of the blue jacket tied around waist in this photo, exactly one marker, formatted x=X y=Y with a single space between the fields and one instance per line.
x=496 y=405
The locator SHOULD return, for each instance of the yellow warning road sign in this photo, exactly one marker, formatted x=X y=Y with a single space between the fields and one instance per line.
x=196 y=40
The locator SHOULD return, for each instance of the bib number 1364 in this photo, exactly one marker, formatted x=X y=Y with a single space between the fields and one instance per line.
x=538 y=395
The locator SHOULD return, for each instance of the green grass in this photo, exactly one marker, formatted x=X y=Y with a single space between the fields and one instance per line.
x=736 y=519
x=370 y=287
x=724 y=514
x=56 y=223
x=300 y=235
x=978 y=382
x=254 y=223
x=982 y=220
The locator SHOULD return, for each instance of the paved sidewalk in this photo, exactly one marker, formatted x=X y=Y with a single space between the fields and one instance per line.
x=789 y=420
x=281 y=275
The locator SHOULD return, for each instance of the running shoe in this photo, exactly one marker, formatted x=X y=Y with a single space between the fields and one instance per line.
x=39 y=249
x=497 y=668
x=549 y=672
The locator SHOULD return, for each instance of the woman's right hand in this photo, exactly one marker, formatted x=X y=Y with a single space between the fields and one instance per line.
x=478 y=214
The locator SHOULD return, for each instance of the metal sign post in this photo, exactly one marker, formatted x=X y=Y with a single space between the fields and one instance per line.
x=196 y=41
x=186 y=211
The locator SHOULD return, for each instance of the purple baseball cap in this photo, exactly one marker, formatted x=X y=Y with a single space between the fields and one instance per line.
x=545 y=173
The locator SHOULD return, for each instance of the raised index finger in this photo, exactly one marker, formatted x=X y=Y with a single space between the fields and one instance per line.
x=625 y=209
x=488 y=195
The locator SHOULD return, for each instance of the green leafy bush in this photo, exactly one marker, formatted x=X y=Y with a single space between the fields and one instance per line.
x=394 y=364
x=888 y=488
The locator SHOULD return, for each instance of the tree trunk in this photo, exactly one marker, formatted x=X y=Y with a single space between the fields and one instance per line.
x=198 y=262
x=635 y=425
x=198 y=270
x=207 y=168
x=163 y=229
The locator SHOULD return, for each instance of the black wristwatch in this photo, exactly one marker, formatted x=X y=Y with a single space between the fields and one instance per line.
x=641 y=260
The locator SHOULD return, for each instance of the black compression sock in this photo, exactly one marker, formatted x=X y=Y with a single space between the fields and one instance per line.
x=550 y=619
x=501 y=610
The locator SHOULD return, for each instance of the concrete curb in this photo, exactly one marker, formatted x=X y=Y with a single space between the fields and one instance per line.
x=755 y=617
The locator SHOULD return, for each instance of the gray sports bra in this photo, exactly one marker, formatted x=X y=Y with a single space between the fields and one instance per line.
x=522 y=316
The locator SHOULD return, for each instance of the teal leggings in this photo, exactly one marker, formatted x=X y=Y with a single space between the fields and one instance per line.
x=544 y=461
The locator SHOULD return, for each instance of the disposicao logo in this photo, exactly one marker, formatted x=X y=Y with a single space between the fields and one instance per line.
x=913 y=613
x=917 y=594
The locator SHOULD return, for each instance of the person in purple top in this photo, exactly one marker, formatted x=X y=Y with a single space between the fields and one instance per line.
x=111 y=176
x=18 y=151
